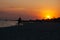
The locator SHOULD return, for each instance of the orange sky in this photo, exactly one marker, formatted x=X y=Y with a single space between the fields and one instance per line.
x=29 y=9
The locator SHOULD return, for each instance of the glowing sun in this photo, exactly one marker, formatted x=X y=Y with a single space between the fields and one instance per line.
x=48 y=17
x=48 y=14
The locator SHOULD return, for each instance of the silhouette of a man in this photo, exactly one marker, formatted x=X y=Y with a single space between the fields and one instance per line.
x=19 y=21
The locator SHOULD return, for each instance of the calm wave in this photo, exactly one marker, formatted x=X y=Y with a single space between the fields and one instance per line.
x=7 y=23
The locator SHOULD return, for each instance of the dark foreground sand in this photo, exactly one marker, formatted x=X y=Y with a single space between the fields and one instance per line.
x=31 y=31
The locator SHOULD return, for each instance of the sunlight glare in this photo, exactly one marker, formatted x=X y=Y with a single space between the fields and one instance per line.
x=48 y=17
x=48 y=14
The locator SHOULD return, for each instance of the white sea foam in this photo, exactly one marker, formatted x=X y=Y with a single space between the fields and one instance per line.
x=7 y=23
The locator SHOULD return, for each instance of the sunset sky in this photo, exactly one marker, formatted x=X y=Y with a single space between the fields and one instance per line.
x=29 y=9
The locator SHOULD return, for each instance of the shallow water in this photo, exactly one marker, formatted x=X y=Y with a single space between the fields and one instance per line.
x=7 y=23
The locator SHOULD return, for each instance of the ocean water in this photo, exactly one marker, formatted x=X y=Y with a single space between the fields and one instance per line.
x=7 y=23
